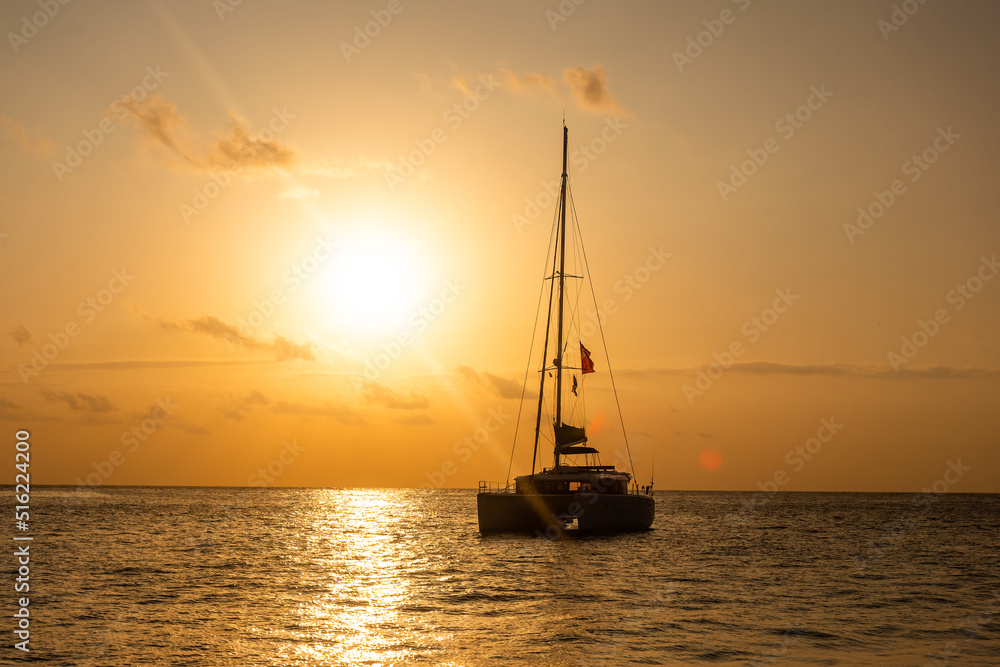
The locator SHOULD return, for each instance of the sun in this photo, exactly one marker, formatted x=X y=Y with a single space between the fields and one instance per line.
x=374 y=283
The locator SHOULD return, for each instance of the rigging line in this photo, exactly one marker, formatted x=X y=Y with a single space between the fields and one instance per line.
x=604 y=343
x=524 y=384
x=527 y=368
x=554 y=245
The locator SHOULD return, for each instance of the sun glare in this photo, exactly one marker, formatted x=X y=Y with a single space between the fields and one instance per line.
x=374 y=283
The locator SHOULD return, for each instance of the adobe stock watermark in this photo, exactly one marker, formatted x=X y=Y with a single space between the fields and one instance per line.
x=133 y=438
x=969 y=631
x=796 y=458
x=958 y=297
x=221 y=179
x=420 y=320
x=466 y=448
x=223 y=7
x=915 y=167
x=566 y=8
x=363 y=35
x=558 y=523
x=919 y=504
x=94 y=137
x=638 y=618
x=786 y=126
x=778 y=651
x=752 y=330
x=898 y=17
x=275 y=468
x=627 y=286
x=31 y=26
x=263 y=309
x=714 y=28
x=88 y=309
x=580 y=159
x=407 y=164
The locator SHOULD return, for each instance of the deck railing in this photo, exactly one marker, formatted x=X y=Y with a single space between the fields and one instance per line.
x=495 y=487
x=507 y=487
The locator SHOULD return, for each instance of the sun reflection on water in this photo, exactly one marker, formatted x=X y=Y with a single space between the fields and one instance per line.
x=361 y=565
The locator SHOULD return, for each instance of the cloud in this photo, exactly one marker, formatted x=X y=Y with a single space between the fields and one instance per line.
x=241 y=147
x=78 y=401
x=236 y=148
x=326 y=409
x=590 y=89
x=382 y=395
x=235 y=415
x=21 y=335
x=155 y=413
x=461 y=84
x=13 y=412
x=141 y=364
x=867 y=371
x=190 y=427
x=299 y=192
x=159 y=119
x=415 y=420
x=9 y=409
x=282 y=348
x=15 y=131
x=239 y=406
x=529 y=82
x=586 y=87
x=91 y=416
x=502 y=387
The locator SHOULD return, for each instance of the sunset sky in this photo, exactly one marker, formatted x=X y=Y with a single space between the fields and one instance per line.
x=241 y=235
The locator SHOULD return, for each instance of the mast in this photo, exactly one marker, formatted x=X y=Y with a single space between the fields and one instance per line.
x=545 y=355
x=562 y=285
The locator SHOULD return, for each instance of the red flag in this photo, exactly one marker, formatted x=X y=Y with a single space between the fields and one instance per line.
x=586 y=365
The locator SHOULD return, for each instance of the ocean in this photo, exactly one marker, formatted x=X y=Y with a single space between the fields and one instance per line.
x=236 y=576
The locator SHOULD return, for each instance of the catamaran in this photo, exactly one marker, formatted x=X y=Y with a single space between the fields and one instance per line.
x=577 y=492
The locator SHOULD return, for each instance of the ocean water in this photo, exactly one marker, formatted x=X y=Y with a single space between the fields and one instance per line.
x=223 y=576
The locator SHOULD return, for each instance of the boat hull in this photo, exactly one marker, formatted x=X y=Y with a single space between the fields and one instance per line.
x=545 y=513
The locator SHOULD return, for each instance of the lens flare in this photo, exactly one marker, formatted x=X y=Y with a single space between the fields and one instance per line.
x=710 y=460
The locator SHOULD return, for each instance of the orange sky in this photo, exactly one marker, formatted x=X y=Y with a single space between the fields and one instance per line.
x=249 y=237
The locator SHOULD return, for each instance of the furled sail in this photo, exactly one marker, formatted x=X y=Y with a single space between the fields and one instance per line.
x=569 y=435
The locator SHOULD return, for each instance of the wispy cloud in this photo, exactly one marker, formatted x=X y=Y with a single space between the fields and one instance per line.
x=529 y=82
x=11 y=411
x=15 y=131
x=141 y=364
x=239 y=149
x=239 y=406
x=159 y=119
x=386 y=397
x=501 y=386
x=415 y=420
x=869 y=371
x=20 y=334
x=590 y=90
x=79 y=402
x=154 y=412
x=209 y=325
x=239 y=146
x=586 y=87
x=328 y=409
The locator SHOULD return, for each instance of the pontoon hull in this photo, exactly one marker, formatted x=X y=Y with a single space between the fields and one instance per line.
x=528 y=513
